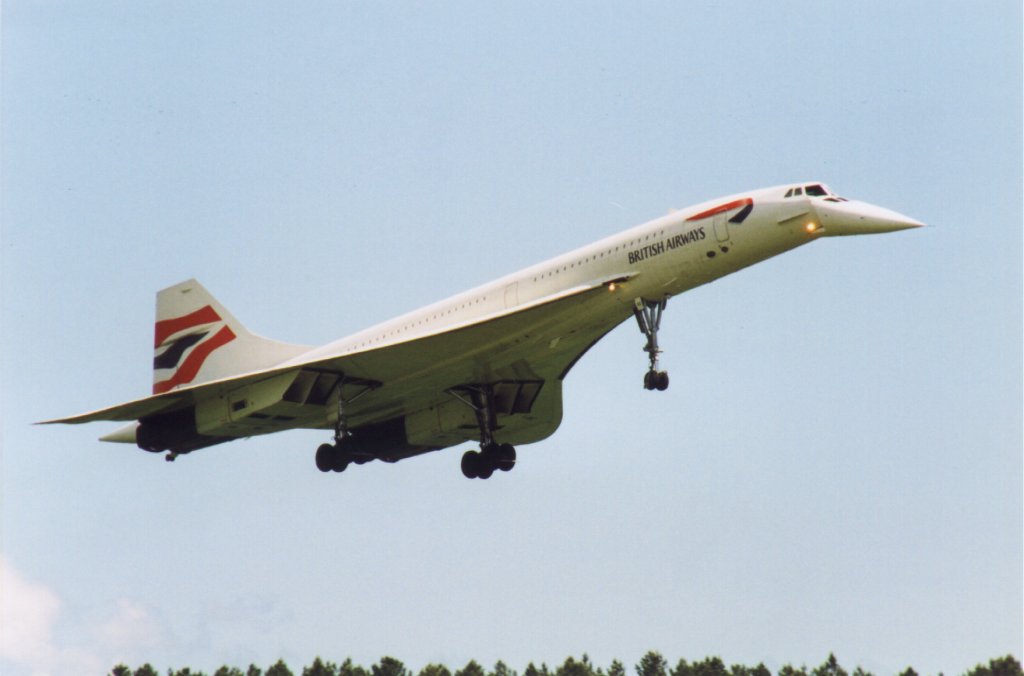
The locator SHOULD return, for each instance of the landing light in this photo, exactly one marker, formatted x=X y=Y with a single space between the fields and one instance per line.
x=811 y=227
x=611 y=286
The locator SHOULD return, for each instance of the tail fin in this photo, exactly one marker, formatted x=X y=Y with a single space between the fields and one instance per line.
x=197 y=340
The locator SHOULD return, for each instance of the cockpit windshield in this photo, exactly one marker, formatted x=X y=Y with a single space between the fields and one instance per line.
x=812 y=190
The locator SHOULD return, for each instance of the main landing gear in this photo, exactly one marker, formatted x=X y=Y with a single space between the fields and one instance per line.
x=648 y=317
x=338 y=456
x=482 y=464
x=492 y=455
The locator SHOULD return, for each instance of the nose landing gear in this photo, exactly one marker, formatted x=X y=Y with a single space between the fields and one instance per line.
x=656 y=380
x=648 y=318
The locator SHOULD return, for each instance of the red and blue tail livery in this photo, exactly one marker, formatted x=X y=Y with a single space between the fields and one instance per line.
x=196 y=340
x=183 y=344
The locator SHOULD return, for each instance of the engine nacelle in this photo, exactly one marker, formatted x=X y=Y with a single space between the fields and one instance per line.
x=175 y=431
x=386 y=440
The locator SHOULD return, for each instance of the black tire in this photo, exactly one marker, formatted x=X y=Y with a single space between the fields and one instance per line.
x=340 y=461
x=485 y=472
x=490 y=455
x=325 y=458
x=506 y=457
x=661 y=382
x=650 y=380
x=470 y=464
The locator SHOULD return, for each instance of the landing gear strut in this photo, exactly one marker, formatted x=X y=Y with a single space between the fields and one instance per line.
x=648 y=318
x=492 y=455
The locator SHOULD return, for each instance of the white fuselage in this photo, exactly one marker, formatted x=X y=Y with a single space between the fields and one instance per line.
x=664 y=257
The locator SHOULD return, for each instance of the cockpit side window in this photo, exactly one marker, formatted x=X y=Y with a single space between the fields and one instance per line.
x=798 y=191
x=789 y=193
x=816 y=191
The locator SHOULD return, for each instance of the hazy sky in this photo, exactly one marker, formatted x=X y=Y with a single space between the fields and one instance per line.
x=836 y=467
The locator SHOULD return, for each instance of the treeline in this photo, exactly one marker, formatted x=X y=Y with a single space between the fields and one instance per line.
x=652 y=664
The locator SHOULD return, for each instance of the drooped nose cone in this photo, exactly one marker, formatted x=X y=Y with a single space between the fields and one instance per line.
x=860 y=218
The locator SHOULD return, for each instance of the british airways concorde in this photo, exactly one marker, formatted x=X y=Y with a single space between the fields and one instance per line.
x=485 y=365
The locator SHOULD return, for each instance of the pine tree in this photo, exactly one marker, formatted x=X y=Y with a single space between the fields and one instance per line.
x=435 y=670
x=389 y=666
x=830 y=668
x=228 y=671
x=471 y=669
x=347 y=668
x=1003 y=666
x=279 y=669
x=652 y=664
x=320 y=668
x=573 y=668
x=711 y=666
x=682 y=668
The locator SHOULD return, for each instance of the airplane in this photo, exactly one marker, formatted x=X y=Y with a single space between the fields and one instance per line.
x=485 y=365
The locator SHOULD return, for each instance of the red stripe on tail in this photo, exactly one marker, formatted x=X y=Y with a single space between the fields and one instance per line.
x=194 y=361
x=169 y=327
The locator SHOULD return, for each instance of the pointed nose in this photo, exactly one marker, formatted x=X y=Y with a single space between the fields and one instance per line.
x=861 y=218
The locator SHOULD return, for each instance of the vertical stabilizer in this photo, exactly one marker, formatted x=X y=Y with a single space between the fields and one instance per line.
x=197 y=340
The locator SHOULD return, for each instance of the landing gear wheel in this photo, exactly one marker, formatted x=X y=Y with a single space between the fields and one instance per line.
x=325 y=458
x=331 y=458
x=506 y=457
x=661 y=382
x=470 y=464
x=340 y=460
x=490 y=459
x=656 y=380
x=489 y=454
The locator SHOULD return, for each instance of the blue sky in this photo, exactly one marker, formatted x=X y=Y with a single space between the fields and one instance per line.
x=836 y=467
